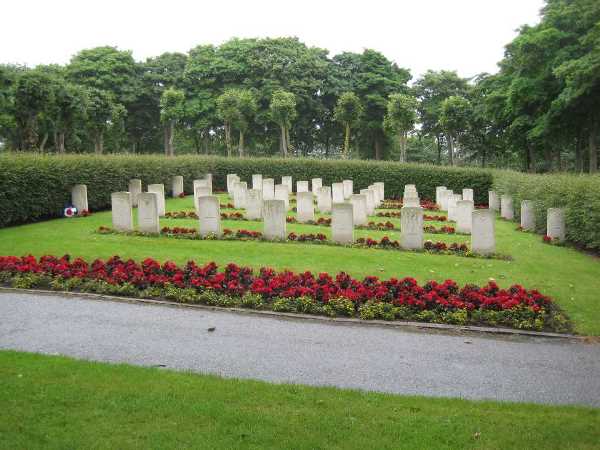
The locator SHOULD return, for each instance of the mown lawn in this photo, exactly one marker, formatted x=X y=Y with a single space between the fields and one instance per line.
x=572 y=278
x=57 y=402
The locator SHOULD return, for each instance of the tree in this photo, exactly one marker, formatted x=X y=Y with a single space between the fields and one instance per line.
x=100 y=111
x=401 y=116
x=454 y=119
x=171 y=111
x=229 y=112
x=70 y=103
x=283 y=112
x=246 y=111
x=347 y=112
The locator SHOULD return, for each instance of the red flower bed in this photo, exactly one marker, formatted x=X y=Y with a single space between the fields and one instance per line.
x=233 y=216
x=445 y=229
x=435 y=218
x=181 y=215
x=397 y=204
x=178 y=230
x=307 y=237
x=182 y=195
x=381 y=226
x=227 y=206
x=268 y=283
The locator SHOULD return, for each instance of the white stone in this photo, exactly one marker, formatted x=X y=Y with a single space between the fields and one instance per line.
x=305 y=207
x=231 y=178
x=316 y=184
x=337 y=192
x=370 y=194
x=257 y=181
x=493 y=201
x=528 y=215
x=135 y=189
x=555 y=224
x=324 y=199
x=79 y=197
x=359 y=201
x=254 y=204
x=464 y=216
x=274 y=214
x=201 y=188
x=302 y=186
x=377 y=193
x=348 y=188
x=177 y=186
x=483 y=231
x=467 y=194
x=444 y=198
x=282 y=193
x=209 y=215
x=240 y=192
x=411 y=199
x=148 y=221
x=380 y=186
x=411 y=227
x=507 y=210
x=287 y=180
x=410 y=190
x=438 y=195
x=452 y=199
x=342 y=223
x=268 y=188
x=122 y=216
x=159 y=190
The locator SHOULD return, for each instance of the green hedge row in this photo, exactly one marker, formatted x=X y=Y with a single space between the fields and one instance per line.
x=36 y=187
x=579 y=195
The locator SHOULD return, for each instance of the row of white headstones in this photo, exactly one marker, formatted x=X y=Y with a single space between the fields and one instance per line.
x=270 y=203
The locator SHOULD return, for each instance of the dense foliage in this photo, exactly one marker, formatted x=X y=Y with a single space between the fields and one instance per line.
x=339 y=295
x=36 y=187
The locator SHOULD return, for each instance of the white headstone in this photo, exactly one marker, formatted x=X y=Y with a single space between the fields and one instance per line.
x=493 y=201
x=342 y=223
x=302 y=186
x=506 y=207
x=254 y=204
x=438 y=195
x=148 y=221
x=240 y=191
x=268 y=188
x=444 y=198
x=370 y=194
x=410 y=188
x=324 y=199
x=411 y=199
x=483 y=234
x=376 y=193
x=159 y=190
x=467 y=194
x=201 y=188
x=411 y=223
x=282 y=193
x=209 y=215
x=135 y=189
x=287 y=181
x=380 y=186
x=257 y=181
x=452 y=199
x=177 y=186
x=464 y=215
x=274 y=219
x=316 y=184
x=337 y=192
x=305 y=207
x=348 y=187
x=555 y=225
x=79 y=197
x=359 y=201
x=122 y=217
x=528 y=215
x=231 y=178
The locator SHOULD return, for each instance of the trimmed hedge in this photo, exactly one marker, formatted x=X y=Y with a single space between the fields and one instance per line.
x=34 y=187
x=579 y=195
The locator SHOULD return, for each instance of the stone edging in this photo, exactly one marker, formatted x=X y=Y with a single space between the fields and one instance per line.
x=414 y=326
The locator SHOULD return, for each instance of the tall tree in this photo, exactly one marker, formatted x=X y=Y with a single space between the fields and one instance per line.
x=229 y=112
x=348 y=111
x=401 y=116
x=100 y=110
x=454 y=120
x=171 y=111
x=283 y=112
x=246 y=111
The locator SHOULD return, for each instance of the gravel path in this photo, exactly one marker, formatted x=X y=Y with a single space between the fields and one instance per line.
x=307 y=352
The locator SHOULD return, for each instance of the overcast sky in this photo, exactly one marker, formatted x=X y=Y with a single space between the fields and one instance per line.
x=463 y=35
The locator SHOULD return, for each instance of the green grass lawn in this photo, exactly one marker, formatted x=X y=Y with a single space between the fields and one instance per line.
x=57 y=402
x=572 y=278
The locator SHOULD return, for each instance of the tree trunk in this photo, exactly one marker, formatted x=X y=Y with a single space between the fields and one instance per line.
x=402 y=140
x=347 y=142
x=228 y=138
x=378 y=152
x=578 y=154
x=171 y=138
x=450 y=149
x=43 y=143
x=61 y=142
x=166 y=140
x=241 y=144
x=439 y=150
x=483 y=156
x=99 y=142
x=283 y=143
x=287 y=140
x=531 y=165
x=593 y=150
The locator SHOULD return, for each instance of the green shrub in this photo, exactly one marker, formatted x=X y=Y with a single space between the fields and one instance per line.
x=34 y=187
x=339 y=307
x=252 y=301
x=579 y=195
x=377 y=310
